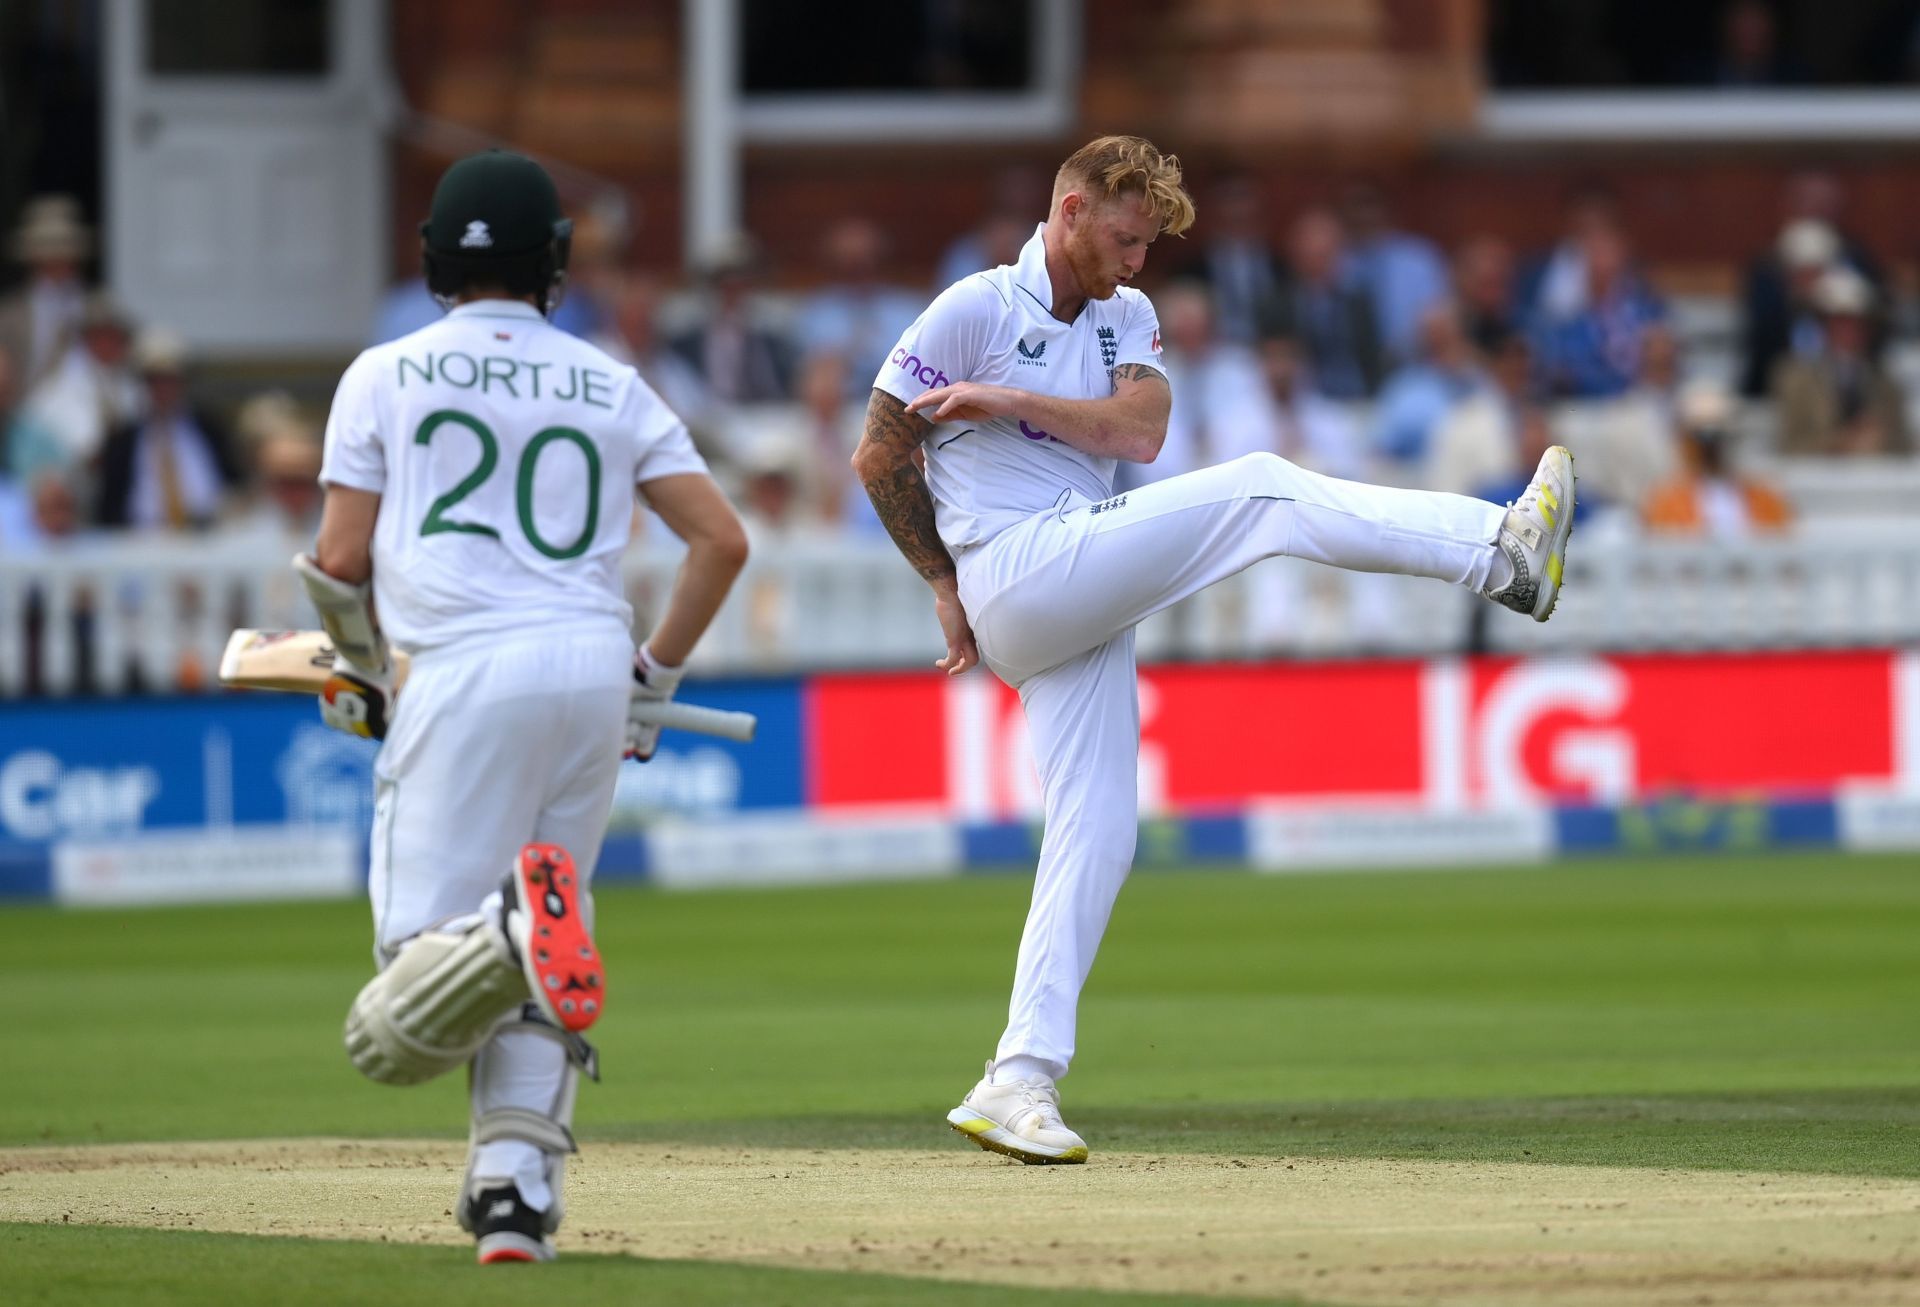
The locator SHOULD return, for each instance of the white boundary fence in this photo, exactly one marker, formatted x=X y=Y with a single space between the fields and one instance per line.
x=134 y=613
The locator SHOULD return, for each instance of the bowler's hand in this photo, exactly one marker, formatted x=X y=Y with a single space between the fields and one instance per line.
x=964 y=401
x=962 y=653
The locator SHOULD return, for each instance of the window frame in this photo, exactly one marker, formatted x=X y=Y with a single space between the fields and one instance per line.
x=1046 y=110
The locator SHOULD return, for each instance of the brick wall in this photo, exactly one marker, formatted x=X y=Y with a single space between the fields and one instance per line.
x=1304 y=94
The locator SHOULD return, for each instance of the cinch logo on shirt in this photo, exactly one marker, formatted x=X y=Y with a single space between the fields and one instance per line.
x=1031 y=434
x=924 y=373
x=1032 y=357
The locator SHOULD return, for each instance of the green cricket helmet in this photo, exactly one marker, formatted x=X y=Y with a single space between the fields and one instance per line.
x=496 y=221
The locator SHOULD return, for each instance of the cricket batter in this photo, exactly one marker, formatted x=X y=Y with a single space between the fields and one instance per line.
x=480 y=478
x=989 y=451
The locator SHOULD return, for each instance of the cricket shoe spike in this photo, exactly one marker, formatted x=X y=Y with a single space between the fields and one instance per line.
x=1534 y=537
x=504 y=1228
x=1020 y=1118
x=540 y=908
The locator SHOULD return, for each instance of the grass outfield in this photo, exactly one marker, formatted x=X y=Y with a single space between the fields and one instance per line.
x=104 y=1267
x=1729 y=1014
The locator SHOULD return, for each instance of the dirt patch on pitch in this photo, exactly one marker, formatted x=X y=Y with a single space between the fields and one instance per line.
x=1346 y=1231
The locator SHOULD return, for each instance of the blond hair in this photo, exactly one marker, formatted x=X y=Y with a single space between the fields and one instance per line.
x=1110 y=166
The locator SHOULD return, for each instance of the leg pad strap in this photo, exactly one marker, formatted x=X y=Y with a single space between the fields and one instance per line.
x=531 y=1127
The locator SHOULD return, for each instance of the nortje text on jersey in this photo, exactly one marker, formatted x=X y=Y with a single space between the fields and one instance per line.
x=492 y=374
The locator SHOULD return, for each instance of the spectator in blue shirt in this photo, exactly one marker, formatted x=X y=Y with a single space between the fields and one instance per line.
x=1402 y=274
x=1594 y=351
x=1420 y=395
x=857 y=317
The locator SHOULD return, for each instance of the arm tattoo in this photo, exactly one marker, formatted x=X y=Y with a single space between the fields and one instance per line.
x=1140 y=372
x=898 y=491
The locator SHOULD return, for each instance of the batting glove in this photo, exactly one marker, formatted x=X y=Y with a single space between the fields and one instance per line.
x=653 y=682
x=356 y=702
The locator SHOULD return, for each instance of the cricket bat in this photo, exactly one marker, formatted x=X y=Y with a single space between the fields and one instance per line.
x=299 y=662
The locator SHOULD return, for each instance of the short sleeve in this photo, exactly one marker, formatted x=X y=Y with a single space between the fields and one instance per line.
x=665 y=446
x=354 y=456
x=945 y=344
x=1140 y=336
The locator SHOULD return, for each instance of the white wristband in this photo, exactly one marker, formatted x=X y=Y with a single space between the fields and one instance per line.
x=664 y=677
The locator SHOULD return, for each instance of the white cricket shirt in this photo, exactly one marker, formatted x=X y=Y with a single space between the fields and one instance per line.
x=506 y=453
x=998 y=327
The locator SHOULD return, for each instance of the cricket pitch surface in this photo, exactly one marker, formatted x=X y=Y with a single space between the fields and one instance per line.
x=1328 y=1230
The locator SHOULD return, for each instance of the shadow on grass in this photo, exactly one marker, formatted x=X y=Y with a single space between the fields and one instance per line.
x=107 y=1266
x=1835 y=1132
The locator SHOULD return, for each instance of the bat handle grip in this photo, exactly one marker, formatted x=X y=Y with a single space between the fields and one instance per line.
x=702 y=721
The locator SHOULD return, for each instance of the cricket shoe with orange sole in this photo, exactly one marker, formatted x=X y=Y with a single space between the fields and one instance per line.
x=1534 y=537
x=505 y=1229
x=541 y=912
x=1020 y=1118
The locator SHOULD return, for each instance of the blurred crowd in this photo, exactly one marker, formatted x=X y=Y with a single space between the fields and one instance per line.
x=1335 y=335
x=101 y=428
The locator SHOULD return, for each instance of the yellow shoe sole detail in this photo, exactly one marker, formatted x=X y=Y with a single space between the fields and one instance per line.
x=977 y=1129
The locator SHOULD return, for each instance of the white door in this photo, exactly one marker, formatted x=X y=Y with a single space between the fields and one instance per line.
x=246 y=187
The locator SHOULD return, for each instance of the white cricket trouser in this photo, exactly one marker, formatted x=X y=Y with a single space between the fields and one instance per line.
x=493 y=746
x=1053 y=603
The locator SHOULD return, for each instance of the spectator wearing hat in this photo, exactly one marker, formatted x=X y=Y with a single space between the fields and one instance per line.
x=773 y=469
x=93 y=388
x=1839 y=400
x=734 y=351
x=1780 y=316
x=280 y=444
x=173 y=468
x=1709 y=496
x=773 y=474
x=1778 y=296
x=37 y=322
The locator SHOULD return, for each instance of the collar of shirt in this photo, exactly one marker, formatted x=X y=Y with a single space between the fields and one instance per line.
x=1030 y=272
x=495 y=309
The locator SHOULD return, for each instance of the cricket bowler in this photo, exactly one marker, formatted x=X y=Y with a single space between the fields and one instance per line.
x=480 y=478
x=989 y=451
